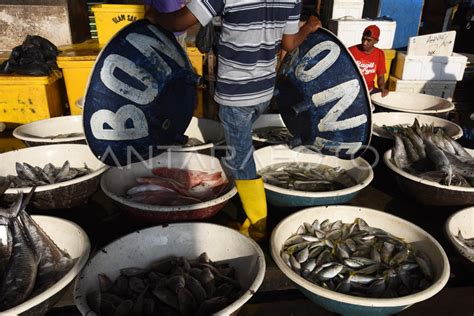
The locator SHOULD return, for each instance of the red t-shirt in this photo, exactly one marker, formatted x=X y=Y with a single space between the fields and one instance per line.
x=369 y=64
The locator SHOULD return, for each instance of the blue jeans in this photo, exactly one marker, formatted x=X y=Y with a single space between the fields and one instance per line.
x=237 y=122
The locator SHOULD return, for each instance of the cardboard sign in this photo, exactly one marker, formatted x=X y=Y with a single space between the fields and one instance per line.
x=140 y=95
x=323 y=98
x=436 y=44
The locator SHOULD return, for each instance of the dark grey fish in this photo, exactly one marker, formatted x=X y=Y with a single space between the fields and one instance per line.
x=63 y=172
x=417 y=142
x=439 y=159
x=19 y=277
x=186 y=303
x=193 y=141
x=196 y=288
x=6 y=243
x=399 y=153
x=410 y=149
x=5 y=184
x=54 y=263
x=166 y=296
x=273 y=134
x=50 y=171
x=459 y=150
x=25 y=172
x=463 y=168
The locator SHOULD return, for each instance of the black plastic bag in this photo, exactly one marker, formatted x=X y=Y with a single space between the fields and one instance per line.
x=205 y=38
x=36 y=56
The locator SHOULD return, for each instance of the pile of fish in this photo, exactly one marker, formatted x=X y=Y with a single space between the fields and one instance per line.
x=389 y=130
x=30 y=262
x=357 y=259
x=466 y=242
x=273 y=134
x=193 y=141
x=57 y=136
x=305 y=176
x=174 y=186
x=173 y=286
x=29 y=176
x=434 y=156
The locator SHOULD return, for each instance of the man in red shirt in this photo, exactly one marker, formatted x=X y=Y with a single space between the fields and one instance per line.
x=370 y=59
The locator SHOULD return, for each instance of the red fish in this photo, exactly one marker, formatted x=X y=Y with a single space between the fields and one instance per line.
x=207 y=190
x=167 y=198
x=188 y=178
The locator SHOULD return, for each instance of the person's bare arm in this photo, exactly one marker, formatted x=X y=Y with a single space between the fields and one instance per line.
x=381 y=84
x=290 y=42
x=176 y=21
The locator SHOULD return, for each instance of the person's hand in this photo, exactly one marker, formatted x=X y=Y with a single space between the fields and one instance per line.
x=384 y=92
x=313 y=23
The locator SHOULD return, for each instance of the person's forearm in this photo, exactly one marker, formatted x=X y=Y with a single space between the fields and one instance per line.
x=176 y=21
x=297 y=39
x=381 y=81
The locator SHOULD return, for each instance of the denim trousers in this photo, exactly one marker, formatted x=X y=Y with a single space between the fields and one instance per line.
x=237 y=122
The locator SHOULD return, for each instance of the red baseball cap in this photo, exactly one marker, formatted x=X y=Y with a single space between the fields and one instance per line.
x=372 y=31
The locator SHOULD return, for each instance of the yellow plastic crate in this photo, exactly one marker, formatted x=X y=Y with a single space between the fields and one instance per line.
x=24 y=99
x=389 y=56
x=76 y=62
x=199 y=109
x=196 y=58
x=110 y=18
x=9 y=143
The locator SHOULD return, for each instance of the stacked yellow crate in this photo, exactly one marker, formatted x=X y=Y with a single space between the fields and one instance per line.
x=110 y=18
x=24 y=99
x=76 y=62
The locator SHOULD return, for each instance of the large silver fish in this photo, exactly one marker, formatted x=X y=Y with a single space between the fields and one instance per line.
x=6 y=244
x=53 y=263
x=19 y=276
x=439 y=160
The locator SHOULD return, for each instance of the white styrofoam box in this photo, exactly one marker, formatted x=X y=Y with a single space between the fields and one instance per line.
x=349 y=31
x=430 y=67
x=436 y=44
x=342 y=8
x=443 y=89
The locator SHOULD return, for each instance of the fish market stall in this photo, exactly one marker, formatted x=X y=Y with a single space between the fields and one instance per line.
x=418 y=259
x=277 y=294
x=161 y=226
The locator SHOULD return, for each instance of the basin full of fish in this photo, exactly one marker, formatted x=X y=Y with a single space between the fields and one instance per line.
x=201 y=134
x=389 y=124
x=56 y=136
x=58 y=130
x=170 y=286
x=31 y=176
x=273 y=134
x=30 y=262
x=432 y=155
x=175 y=186
x=357 y=259
x=306 y=176
x=193 y=141
x=459 y=230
